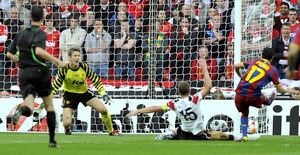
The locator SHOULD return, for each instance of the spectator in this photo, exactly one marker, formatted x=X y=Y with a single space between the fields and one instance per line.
x=71 y=37
x=166 y=27
x=183 y=44
x=14 y=24
x=139 y=35
x=280 y=46
x=104 y=10
x=124 y=8
x=52 y=43
x=97 y=47
x=212 y=65
x=79 y=6
x=284 y=11
x=124 y=42
x=115 y=24
x=226 y=66
x=186 y=13
x=115 y=21
x=174 y=20
x=161 y=45
x=162 y=5
x=64 y=15
x=137 y=8
x=203 y=11
x=224 y=9
x=214 y=37
x=23 y=13
x=293 y=20
x=87 y=22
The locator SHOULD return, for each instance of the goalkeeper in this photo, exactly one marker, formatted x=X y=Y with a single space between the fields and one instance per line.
x=73 y=79
x=293 y=71
x=187 y=108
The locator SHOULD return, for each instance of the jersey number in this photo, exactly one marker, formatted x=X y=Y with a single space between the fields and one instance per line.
x=188 y=116
x=255 y=69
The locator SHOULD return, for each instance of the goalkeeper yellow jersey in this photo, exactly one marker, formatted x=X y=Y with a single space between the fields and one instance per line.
x=74 y=81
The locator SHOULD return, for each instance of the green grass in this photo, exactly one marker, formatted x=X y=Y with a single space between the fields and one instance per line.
x=83 y=144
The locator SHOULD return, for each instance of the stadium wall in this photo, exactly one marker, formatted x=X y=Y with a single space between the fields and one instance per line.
x=282 y=118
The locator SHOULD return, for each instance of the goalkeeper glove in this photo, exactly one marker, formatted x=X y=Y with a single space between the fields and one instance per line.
x=107 y=99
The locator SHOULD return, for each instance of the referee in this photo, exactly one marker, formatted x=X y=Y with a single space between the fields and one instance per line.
x=28 y=50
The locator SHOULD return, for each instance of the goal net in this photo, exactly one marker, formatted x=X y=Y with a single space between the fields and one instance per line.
x=142 y=48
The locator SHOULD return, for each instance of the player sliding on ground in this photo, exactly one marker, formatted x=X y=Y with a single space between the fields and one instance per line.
x=73 y=79
x=187 y=108
x=248 y=93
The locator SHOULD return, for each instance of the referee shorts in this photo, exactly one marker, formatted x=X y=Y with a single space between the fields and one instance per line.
x=35 y=80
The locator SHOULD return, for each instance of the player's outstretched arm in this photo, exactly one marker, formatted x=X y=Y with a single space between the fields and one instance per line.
x=207 y=80
x=292 y=60
x=145 y=110
x=97 y=83
x=237 y=68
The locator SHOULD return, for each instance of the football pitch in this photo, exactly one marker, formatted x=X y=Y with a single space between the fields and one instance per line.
x=96 y=144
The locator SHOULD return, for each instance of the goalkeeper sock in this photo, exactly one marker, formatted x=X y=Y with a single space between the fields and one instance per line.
x=244 y=125
x=107 y=121
x=51 y=125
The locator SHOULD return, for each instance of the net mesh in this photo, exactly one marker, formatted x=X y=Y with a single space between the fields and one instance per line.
x=141 y=48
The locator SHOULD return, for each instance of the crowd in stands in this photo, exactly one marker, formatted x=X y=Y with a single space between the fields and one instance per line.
x=120 y=41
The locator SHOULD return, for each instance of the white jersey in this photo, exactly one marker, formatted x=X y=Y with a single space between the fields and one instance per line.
x=188 y=111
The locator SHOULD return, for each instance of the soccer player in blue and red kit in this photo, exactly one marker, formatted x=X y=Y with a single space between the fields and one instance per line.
x=248 y=92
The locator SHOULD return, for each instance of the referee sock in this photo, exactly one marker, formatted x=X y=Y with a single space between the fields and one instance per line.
x=107 y=121
x=244 y=125
x=51 y=125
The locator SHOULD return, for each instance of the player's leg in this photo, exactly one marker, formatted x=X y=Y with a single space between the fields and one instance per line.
x=51 y=118
x=244 y=124
x=28 y=91
x=26 y=108
x=168 y=135
x=106 y=118
x=44 y=90
x=218 y=135
x=241 y=105
x=69 y=104
x=268 y=100
x=67 y=120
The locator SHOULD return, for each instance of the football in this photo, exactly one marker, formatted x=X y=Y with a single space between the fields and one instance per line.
x=252 y=128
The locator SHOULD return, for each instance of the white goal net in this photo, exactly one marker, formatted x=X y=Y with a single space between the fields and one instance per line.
x=142 y=48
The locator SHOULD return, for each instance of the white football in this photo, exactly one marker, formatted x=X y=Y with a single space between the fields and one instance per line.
x=252 y=127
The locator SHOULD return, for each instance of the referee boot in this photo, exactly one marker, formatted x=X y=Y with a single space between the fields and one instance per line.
x=53 y=144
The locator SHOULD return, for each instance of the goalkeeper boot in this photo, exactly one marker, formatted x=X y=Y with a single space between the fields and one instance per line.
x=68 y=131
x=53 y=144
x=244 y=139
x=115 y=133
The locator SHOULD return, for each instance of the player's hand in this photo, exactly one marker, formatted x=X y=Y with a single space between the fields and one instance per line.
x=133 y=113
x=60 y=64
x=107 y=99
